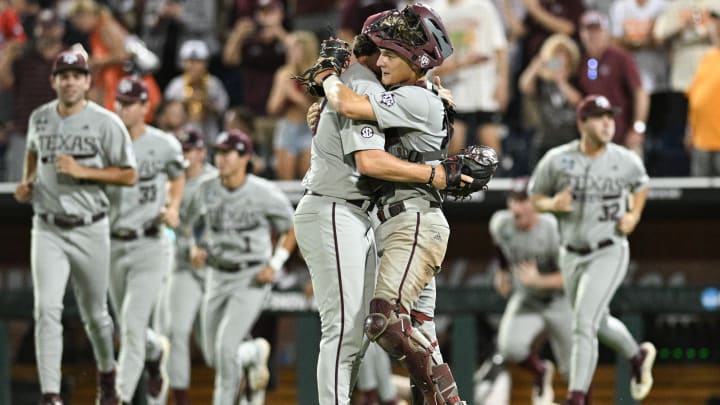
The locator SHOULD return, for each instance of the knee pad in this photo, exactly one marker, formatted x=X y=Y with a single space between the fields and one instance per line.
x=446 y=384
x=393 y=331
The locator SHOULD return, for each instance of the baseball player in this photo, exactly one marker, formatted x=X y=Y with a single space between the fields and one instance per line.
x=75 y=147
x=184 y=290
x=597 y=190
x=527 y=244
x=334 y=230
x=414 y=232
x=240 y=211
x=140 y=248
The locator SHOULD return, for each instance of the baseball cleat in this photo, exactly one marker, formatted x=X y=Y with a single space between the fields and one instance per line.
x=157 y=379
x=107 y=392
x=542 y=391
x=258 y=373
x=639 y=389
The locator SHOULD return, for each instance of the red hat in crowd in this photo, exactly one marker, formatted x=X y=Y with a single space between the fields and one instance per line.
x=70 y=60
x=234 y=139
x=131 y=90
x=593 y=105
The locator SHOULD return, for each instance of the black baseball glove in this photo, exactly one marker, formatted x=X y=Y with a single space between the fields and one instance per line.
x=334 y=55
x=476 y=161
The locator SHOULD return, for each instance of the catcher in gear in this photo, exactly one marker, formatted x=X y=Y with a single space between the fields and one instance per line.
x=413 y=233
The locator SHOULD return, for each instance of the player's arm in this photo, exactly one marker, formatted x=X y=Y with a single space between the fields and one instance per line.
x=630 y=219
x=503 y=278
x=283 y=248
x=384 y=166
x=171 y=215
x=23 y=191
x=558 y=203
x=529 y=275
x=121 y=176
x=345 y=101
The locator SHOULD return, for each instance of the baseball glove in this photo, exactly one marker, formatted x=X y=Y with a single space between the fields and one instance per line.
x=334 y=55
x=476 y=161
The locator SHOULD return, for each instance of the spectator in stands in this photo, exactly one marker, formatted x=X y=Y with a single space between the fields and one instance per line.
x=257 y=46
x=171 y=116
x=289 y=101
x=550 y=84
x=354 y=12
x=107 y=48
x=547 y=17
x=169 y=24
x=703 y=130
x=631 y=25
x=608 y=70
x=24 y=70
x=477 y=72
x=684 y=28
x=203 y=94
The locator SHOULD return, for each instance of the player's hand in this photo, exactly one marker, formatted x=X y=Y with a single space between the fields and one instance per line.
x=313 y=115
x=24 y=191
x=68 y=165
x=528 y=274
x=308 y=289
x=503 y=283
x=171 y=217
x=198 y=256
x=443 y=92
x=627 y=223
x=562 y=201
x=440 y=180
x=265 y=276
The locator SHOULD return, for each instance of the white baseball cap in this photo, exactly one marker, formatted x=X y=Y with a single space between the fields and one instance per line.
x=194 y=49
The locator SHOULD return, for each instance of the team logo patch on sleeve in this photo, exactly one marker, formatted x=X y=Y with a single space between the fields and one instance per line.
x=388 y=99
x=367 y=132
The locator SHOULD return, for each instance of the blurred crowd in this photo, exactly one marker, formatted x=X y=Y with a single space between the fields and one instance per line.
x=518 y=70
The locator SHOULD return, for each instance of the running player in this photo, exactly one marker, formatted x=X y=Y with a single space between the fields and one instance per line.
x=75 y=147
x=140 y=249
x=527 y=244
x=240 y=212
x=597 y=190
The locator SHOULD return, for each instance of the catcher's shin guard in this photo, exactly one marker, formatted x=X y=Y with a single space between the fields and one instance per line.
x=394 y=333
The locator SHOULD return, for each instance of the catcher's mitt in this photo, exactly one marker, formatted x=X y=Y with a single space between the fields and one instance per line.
x=476 y=161
x=334 y=55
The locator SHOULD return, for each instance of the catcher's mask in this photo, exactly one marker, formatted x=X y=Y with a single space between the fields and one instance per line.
x=415 y=32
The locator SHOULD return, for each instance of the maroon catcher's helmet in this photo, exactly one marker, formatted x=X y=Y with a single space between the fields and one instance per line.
x=416 y=32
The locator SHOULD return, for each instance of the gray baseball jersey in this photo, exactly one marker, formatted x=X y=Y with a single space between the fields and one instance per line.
x=239 y=223
x=138 y=267
x=529 y=312
x=159 y=158
x=332 y=170
x=97 y=138
x=540 y=244
x=94 y=137
x=238 y=228
x=415 y=116
x=600 y=188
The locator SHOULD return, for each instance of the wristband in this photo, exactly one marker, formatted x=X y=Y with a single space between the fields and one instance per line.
x=331 y=84
x=432 y=175
x=279 y=258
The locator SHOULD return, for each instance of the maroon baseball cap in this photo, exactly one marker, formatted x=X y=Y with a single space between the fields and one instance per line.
x=234 y=139
x=594 y=18
x=70 y=60
x=595 y=104
x=519 y=188
x=131 y=89
x=191 y=139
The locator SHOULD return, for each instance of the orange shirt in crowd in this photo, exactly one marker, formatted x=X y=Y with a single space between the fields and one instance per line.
x=703 y=101
x=11 y=28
